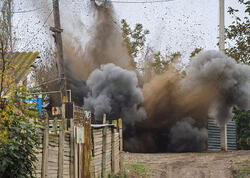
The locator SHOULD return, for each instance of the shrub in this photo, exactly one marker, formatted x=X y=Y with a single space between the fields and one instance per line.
x=19 y=138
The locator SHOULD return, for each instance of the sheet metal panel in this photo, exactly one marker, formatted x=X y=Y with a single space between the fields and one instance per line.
x=214 y=136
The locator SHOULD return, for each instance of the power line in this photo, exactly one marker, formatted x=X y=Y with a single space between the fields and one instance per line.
x=38 y=30
x=135 y=2
x=31 y=10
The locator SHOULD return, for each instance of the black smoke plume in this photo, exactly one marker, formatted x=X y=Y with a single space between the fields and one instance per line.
x=114 y=91
x=185 y=137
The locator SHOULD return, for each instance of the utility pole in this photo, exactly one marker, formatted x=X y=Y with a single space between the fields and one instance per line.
x=222 y=26
x=223 y=128
x=60 y=64
x=58 y=40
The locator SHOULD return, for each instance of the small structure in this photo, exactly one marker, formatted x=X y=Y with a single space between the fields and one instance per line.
x=214 y=136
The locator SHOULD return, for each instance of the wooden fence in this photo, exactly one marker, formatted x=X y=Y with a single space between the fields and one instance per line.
x=84 y=150
x=106 y=149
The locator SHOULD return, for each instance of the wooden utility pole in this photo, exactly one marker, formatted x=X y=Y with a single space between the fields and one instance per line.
x=222 y=26
x=60 y=64
x=223 y=128
x=58 y=39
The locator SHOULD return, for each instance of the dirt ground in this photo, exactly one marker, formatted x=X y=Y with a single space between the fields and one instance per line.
x=185 y=165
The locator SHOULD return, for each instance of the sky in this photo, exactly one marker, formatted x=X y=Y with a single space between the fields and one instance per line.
x=177 y=25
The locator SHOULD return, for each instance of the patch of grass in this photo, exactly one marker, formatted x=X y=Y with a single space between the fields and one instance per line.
x=242 y=171
x=139 y=168
x=117 y=176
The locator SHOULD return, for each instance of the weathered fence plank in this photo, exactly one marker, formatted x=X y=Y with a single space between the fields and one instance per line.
x=121 y=143
x=87 y=147
x=72 y=153
x=45 y=147
x=61 y=149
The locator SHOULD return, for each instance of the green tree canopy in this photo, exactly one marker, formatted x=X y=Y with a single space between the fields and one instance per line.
x=238 y=34
x=134 y=39
x=238 y=47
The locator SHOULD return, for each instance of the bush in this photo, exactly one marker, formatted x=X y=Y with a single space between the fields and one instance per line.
x=242 y=119
x=19 y=138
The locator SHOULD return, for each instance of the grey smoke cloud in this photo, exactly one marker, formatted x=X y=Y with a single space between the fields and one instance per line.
x=186 y=137
x=230 y=81
x=211 y=86
x=114 y=91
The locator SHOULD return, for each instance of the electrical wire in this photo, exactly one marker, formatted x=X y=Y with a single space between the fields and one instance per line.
x=38 y=31
x=48 y=82
x=31 y=10
x=134 y=2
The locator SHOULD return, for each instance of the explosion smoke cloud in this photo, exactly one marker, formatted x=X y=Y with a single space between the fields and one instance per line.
x=114 y=91
x=184 y=132
x=177 y=106
x=212 y=85
x=104 y=46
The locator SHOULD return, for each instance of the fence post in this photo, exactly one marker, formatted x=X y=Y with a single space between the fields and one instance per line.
x=72 y=163
x=76 y=149
x=104 y=145
x=121 y=144
x=61 y=149
x=87 y=147
x=114 y=122
x=45 y=146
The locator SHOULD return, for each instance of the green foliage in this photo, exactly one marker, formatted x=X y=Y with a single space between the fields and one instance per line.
x=238 y=42
x=160 y=63
x=195 y=52
x=118 y=176
x=238 y=34
x=134 y=40
x=21 y=139
x=242 y=171
x=139 y=169
x=242 y=119
x=18 y=154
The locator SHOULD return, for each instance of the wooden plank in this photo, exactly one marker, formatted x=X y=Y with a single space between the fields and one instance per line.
x=87 y=147
x=104 y=144
x=113 y=148
x=121 y=143
x=75 y=154
x=45 y=146
x=61 y=149
x=72 y=150
x=81 y=160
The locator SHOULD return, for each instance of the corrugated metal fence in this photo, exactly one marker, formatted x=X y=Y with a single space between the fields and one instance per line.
x=214 y=136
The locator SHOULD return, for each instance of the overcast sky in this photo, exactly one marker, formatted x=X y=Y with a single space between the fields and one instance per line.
x=178 y=25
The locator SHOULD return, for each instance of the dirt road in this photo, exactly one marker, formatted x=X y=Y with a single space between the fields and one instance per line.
x=185 y=165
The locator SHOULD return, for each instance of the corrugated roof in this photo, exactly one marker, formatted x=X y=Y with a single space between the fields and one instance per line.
x=19 y=64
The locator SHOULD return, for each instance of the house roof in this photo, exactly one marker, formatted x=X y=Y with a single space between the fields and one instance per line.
x=18 y=65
